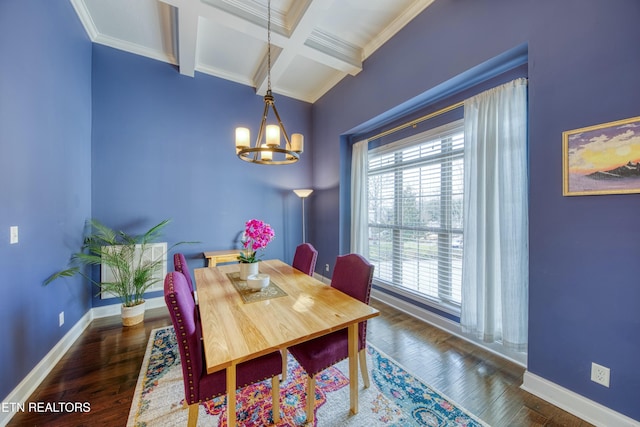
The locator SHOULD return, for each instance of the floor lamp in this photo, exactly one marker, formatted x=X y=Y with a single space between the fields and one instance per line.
x=303 y=194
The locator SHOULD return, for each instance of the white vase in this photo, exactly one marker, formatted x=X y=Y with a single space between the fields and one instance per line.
x=247 y=269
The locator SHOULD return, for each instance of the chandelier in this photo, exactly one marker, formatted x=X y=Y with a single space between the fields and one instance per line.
x=269 y=151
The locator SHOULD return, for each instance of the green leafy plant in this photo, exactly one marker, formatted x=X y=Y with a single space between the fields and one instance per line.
x=133 y=271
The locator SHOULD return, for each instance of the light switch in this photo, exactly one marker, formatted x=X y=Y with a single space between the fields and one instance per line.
x=13 y=231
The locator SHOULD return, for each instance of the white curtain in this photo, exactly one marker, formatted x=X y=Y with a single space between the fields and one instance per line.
x=359 y=196
x=495 y=267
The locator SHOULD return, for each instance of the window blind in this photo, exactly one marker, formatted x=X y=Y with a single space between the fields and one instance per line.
x=415 y=199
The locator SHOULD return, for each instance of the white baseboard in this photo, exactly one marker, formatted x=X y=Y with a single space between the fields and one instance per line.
x=30 y=383
x=574 y=403
x=114 y=309
x=590 y=411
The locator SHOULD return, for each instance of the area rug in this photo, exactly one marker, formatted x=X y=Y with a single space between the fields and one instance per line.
x=395 y=397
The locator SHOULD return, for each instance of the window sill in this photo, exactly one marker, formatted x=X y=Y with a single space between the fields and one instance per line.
x=452 y=311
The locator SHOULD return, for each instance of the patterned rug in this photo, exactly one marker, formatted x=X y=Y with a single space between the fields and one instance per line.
x=395 y=397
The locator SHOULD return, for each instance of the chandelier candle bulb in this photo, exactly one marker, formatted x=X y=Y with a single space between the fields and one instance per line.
x=273 y=136
x=266 y=155
x=242 y=138
x=297 y=142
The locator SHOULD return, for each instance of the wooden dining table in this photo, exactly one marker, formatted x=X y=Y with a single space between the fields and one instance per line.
x=238 y=326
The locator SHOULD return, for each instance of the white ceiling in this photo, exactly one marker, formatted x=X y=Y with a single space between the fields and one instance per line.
x=315 y=43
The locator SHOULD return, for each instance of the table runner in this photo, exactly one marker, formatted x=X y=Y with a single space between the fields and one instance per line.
x=249 y=295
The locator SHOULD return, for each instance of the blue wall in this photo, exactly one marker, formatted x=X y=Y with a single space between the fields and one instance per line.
x=582 y=67
x=163 y=147
x=88 y=131
x=45 y=176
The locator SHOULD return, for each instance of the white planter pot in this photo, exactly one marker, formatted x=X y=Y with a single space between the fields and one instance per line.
x=247 y=269
x=133 y=315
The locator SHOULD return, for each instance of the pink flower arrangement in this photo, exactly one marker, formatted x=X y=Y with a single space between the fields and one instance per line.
x=257 y=235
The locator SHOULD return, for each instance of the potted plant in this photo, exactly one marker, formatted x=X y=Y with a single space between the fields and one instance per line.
x=257 y=235
x=133 y=272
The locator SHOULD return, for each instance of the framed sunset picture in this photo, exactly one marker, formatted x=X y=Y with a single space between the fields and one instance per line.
x=602 y=159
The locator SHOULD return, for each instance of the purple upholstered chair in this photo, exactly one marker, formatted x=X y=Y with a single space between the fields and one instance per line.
x=198 y=385
x=352 y=275
x=180 y=265
x=305 y=258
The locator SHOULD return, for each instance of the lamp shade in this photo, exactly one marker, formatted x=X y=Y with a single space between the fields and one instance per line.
x=302 y=193
x=297 y=142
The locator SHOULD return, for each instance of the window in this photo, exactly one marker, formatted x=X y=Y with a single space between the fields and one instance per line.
x=415 y=197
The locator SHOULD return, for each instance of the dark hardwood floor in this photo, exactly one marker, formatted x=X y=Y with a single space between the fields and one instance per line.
x=102 y=368
x=486 y=385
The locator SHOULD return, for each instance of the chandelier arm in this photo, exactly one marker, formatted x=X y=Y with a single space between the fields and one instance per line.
x=284 y=132
x=263 y=123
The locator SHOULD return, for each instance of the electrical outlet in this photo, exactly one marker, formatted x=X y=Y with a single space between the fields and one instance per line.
x=326 y=268
x=600 y=374
x=61 y=318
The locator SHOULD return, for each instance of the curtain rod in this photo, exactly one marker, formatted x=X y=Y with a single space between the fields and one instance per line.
x=414 y=122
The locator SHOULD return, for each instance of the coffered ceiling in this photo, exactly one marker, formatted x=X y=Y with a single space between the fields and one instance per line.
x=315 y=43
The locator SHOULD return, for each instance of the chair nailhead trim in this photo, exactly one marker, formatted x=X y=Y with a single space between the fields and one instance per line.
x=186 y=346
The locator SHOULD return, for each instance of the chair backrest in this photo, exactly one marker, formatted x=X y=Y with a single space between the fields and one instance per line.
x=353 y=275
x=180 y=265
x=183 y=311
x=305 y=258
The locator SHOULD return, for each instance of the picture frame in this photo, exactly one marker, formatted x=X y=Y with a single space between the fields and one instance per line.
x=602 y=159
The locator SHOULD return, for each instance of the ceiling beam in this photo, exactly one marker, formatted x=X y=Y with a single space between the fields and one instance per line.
x=299 y=38
x=301 y=27
x=293 y=34
x=288 y=32
x=186 y=34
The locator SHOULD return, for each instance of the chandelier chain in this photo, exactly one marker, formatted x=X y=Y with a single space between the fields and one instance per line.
x=269 y=45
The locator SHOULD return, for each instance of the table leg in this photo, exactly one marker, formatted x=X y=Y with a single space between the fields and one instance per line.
x=231 y=396
x=353 y=366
